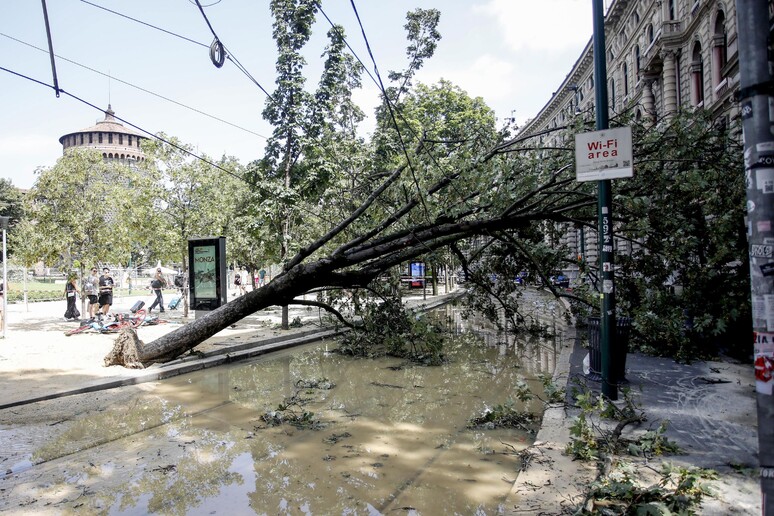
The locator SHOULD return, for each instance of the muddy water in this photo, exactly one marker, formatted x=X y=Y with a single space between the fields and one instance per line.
x=390 y=437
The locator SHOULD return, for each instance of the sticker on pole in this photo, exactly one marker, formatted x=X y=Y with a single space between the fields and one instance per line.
x=605 y=154
x=764 y=362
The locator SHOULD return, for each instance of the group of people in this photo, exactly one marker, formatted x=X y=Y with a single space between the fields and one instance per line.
x=260 y=280
x=99 y=290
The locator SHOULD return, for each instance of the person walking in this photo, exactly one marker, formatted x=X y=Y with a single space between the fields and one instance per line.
x=238 y=283
x=71 y=292
x=261 y=277
x=105 y=292
x=92 y=292
x=157 y=283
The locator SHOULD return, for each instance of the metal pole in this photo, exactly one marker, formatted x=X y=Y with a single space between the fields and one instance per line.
x=26 y=302
x=605 y=215
x=756 y=91
x=5 y=280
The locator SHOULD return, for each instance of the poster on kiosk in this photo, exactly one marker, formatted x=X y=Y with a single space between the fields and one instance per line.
x=207 y=274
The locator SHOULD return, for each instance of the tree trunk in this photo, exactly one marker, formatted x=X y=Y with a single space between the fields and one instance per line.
x=280 y=291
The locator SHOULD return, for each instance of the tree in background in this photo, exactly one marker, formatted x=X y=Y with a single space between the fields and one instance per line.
x=11 y=202
x=85 y=210
x=687 y=282
x=192 y=199
x=287 y=109
x=314 y=143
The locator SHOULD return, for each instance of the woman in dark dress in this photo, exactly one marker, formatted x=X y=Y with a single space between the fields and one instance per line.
x=71 y=294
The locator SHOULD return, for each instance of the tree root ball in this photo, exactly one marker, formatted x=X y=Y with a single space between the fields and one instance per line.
x=127 y=350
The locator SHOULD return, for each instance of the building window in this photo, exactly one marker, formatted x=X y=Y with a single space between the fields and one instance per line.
x=91 y=137
x=637 y=59
x=650 y=33
x=130 y=140
x=672 y=13
x=679 y=81
x=120 y=139
x=110 y=137
x=626 y=79
x=719 y=49
x=697 y=77
x=100 y=137
x=612 y=95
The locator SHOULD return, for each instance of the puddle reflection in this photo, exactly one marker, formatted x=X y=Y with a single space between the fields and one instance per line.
x=394 y=436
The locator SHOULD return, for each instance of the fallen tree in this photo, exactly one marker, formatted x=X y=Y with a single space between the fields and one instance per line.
x=381 y=243
x=496 y=215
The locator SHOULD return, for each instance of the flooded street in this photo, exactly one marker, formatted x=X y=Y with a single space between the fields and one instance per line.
x=382 y=436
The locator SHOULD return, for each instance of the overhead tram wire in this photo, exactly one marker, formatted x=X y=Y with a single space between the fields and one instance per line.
x=158 y=95
x=381 y=88
x=389 y=105
x=229 y=56
x=126 y=122
x=144 y=23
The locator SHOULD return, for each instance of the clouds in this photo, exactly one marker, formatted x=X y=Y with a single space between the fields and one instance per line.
x=488 y=75
x=513 y=53
x=545 y=25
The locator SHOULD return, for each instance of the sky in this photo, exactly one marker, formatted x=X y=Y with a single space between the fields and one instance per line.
x=511 y=53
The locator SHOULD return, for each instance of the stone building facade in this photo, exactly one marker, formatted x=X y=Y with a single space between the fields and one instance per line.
x=110 y=137
x=661 y=56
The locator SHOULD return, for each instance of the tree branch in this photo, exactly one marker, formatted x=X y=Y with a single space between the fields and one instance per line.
x=326 y=307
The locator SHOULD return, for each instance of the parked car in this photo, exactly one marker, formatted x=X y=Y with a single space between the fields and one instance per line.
x=560 y=280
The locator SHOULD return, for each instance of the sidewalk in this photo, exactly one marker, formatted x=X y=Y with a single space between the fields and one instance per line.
x=711 y=412
x=710 y=405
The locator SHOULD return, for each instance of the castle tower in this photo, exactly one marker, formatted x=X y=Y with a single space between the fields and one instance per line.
x=110 y=137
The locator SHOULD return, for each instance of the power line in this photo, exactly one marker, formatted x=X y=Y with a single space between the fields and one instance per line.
x=230 y=56
x=145 y=23
x=112 y=77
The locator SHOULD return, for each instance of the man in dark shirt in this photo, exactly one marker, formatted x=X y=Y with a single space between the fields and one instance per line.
x=105 y=291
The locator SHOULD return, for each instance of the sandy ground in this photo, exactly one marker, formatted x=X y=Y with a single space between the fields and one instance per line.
x=37 y=358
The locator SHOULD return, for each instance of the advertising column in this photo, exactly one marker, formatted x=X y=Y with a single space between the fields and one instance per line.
x=207 y=280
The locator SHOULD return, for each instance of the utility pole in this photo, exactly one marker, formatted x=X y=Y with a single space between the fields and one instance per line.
x=605 y=216
x=756 y=91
